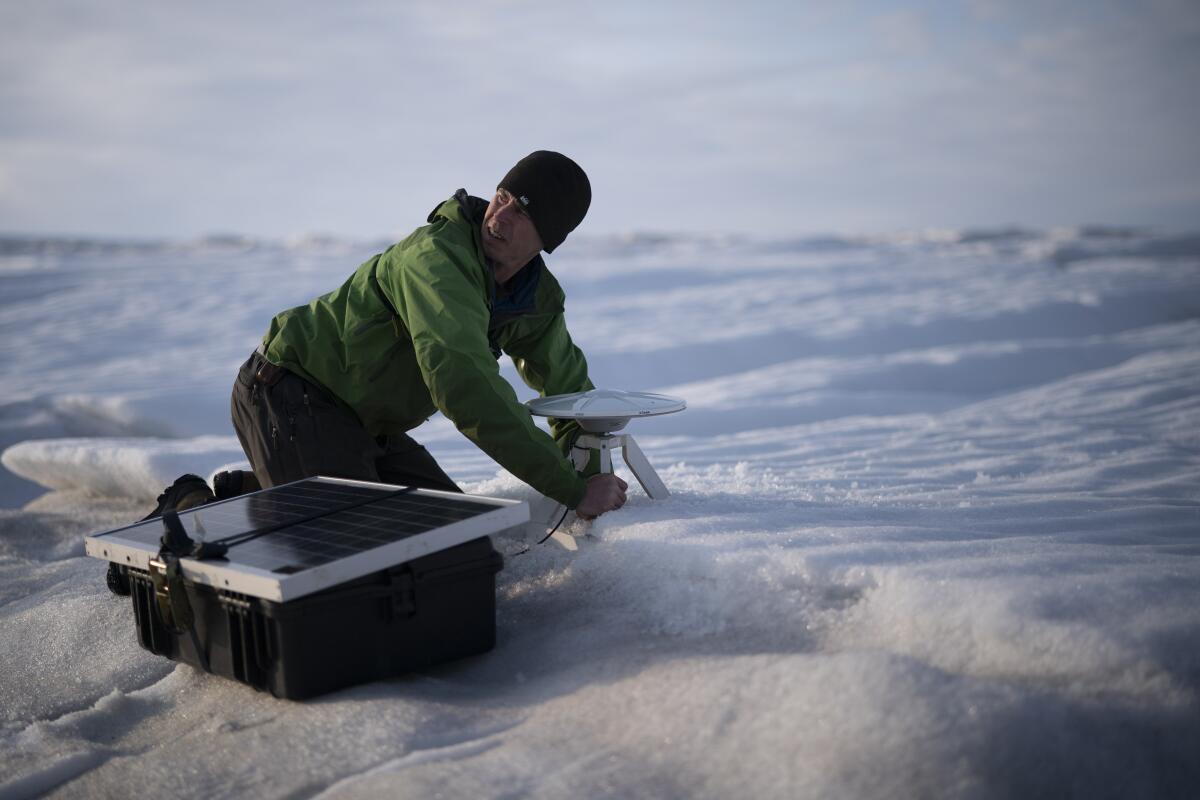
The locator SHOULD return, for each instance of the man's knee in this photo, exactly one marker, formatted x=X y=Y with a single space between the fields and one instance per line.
x=408 y=463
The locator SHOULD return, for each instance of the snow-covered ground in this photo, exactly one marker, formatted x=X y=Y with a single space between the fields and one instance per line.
x=934 y=530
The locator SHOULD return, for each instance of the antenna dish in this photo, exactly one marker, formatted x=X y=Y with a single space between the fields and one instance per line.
x=605 y=410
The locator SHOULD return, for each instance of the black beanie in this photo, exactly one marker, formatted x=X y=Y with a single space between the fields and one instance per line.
x=553 y=190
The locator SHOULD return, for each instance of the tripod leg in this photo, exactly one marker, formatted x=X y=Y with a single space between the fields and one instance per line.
x=641 y=469
x=580 y=456
x=605 y=448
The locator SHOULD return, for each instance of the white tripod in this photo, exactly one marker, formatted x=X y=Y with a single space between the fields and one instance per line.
x=634 y=458
x=599 y=413
x=581 y=454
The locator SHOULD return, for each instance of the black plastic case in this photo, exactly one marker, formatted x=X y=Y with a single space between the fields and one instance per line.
x=405 y=618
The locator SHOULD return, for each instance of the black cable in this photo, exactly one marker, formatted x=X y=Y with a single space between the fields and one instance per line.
x=544 y=539
x=570 y=446
x=555 y=528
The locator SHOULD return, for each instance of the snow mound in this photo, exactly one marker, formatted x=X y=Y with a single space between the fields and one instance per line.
x=65 y=415
x=123 y=467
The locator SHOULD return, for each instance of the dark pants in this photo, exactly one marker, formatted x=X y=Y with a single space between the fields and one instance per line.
x=292 y=429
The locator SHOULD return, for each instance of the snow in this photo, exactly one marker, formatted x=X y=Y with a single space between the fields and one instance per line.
x=135 y=467
x=934 y=529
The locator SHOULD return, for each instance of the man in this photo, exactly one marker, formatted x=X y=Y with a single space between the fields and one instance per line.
x=337 y=383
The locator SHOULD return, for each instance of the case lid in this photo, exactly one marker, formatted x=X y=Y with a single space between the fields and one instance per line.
x=302 y=537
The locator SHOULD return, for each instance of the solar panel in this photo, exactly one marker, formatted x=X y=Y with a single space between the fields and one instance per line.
x=302 y=537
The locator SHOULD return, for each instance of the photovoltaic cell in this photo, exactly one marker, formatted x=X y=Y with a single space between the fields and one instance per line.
x=291 y=529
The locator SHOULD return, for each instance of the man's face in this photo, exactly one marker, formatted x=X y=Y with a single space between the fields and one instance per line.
x=509 y=237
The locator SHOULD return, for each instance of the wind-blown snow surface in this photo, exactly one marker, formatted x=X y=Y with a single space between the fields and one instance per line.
x=934 y=530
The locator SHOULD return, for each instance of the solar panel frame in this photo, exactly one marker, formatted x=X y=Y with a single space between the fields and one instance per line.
x=245 y=569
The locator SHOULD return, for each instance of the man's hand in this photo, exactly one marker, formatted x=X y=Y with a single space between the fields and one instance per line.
x=605 y=492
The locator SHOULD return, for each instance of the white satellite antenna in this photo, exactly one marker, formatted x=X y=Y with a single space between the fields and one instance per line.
x=600 y=412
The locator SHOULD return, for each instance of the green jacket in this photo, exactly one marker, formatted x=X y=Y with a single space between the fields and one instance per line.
x=418 y=329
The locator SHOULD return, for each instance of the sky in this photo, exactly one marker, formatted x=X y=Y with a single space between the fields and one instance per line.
x=150 y=120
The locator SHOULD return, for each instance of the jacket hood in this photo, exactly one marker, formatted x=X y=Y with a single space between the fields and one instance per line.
x=469 y=209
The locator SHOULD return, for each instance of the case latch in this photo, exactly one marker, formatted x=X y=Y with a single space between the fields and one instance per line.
x=169 y=593
x=402 y=589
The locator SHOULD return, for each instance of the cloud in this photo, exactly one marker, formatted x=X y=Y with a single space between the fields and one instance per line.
x=355 y=118
x=902 y=32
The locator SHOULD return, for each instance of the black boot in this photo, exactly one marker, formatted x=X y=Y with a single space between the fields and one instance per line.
x=118 y=580
x=188 y=491
x=233 y=483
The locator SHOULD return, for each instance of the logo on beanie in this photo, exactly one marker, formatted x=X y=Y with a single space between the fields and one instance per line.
x=561 y=189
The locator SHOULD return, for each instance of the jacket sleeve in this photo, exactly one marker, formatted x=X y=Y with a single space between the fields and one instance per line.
x=436 y=287
x=550 y=363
